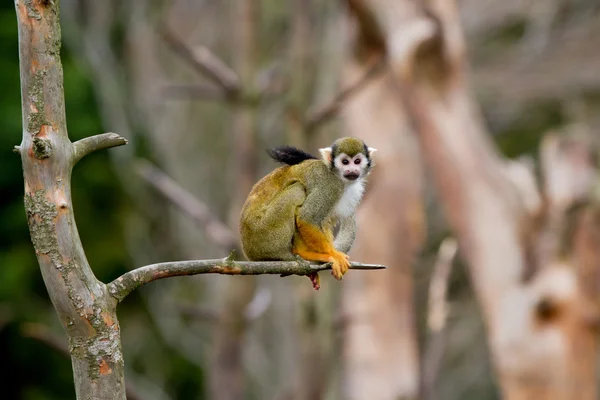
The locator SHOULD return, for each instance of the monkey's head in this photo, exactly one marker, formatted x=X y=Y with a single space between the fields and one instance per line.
x=349 y=157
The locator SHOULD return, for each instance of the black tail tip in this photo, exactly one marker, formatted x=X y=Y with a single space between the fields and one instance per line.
x=289 y=155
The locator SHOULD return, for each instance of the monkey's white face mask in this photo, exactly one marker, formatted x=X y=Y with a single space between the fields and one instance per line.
x=349 y=169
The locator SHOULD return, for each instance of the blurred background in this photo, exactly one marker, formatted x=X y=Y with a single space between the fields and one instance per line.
x=200 y=88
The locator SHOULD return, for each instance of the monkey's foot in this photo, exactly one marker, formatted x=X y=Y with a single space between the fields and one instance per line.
x=315 y=280
x=340 y=265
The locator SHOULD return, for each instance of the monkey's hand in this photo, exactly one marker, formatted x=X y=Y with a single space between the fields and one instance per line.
x=340 y=264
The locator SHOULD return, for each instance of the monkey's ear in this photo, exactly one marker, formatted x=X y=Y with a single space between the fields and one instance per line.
x=371 y=150
x=326 y=154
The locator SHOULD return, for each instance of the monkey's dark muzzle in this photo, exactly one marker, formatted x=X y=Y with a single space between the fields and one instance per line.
x=351 y=176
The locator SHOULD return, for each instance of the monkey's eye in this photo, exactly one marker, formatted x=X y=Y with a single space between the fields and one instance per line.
x=345 y=161
x=357 y=161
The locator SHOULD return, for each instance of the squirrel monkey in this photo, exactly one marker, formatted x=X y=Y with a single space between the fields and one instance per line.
x=294 y=210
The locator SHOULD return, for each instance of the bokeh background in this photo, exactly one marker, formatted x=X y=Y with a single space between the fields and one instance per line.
x=534 y=67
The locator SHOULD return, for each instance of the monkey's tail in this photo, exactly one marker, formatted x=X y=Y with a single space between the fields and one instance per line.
x=289 y=155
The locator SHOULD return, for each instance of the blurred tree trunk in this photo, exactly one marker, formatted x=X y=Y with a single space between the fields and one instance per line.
x=380 y=354
x=312 y=375
x=227 y=367
x=533 y=253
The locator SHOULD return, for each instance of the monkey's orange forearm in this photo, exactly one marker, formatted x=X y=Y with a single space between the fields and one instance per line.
x=316 y=245
x=314 y=239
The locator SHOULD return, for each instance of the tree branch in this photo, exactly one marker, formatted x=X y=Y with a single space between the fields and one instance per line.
x=219 y=233
x=211 y=93
x=205 y=61
x=85 y=146
x=437 y=312
x=128 y=282
x=322 y=115
x=197 y=91
x=438 y=307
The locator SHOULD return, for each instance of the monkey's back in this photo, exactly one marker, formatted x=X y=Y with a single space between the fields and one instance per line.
x=268 y=218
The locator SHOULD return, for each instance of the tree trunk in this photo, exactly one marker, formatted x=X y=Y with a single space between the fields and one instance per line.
x=380 y=354
x=227 y=370
x=84 y=306
x=533 y=257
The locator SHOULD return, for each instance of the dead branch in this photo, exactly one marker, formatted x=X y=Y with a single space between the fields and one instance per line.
x=44 y=335
x=205 y=61
x=437 y=305
x=185 y=201
x=325 y=113
x=196 y=90
x=211 y=93
x=436 y=316
x=85 y=146
x=128 y=282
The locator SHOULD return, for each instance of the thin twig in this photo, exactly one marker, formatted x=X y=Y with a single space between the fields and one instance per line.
x=206 y=62
x=85 y=146
x=200 y=91
x=328 y=111
x=43 y=334
x=218 y=232
x=438 y=307
x=128 y=282
x=211 y=93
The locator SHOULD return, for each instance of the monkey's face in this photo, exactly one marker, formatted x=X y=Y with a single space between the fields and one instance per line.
x=348 y=157
x=351 y=168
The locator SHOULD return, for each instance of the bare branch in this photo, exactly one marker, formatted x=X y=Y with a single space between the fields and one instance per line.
x=438 y=308
x=219 y=233
x=85 y=146
x=43 y=334
x=436 y=316
x=322 y=115
x=211 y=93
x=205 y=61
x=128 y=282
x=200 y=91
